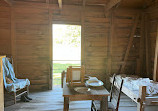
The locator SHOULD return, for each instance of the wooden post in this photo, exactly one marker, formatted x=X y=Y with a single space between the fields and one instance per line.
x=104 y=103
x=50 y=78
x=83 y=43
x=129 y=44
x=60 y=4
x=148 y=72
x=110 y=41
x=1 y=86
x=66 y=103
x=139 y=61
x=13 y=39
x=155 y=75
x=142 y=95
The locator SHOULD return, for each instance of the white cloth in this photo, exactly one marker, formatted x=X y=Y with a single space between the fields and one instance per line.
x=8 y=72
x=134 y=83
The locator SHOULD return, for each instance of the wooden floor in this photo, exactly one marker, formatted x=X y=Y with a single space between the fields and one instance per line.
x=53 y=101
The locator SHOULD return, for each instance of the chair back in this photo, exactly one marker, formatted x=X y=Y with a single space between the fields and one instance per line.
x=68 y=75
x=8 y=71
x=115 y=92
x=75 y=75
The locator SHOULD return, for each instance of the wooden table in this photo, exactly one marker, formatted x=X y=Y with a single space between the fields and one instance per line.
x=99 y=93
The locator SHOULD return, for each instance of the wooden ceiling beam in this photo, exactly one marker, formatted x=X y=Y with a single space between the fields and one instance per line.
x=60 y=4
x=111 y=4
x=8 y=2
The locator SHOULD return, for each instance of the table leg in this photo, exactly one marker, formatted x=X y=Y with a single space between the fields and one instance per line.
x=104 y=103
x=66 y=103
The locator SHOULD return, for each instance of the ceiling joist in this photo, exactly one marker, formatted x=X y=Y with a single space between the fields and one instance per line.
x=8 y=2
x=111 y=4
x=60 y=4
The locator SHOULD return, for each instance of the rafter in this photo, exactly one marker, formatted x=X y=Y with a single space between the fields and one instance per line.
x=8 y=2
x=60 y=4
x=111 y=4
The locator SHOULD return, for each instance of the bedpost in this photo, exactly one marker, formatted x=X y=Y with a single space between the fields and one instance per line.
x=142 y=95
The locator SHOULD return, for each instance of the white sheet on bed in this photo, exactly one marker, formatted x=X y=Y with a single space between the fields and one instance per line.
x=134 y=83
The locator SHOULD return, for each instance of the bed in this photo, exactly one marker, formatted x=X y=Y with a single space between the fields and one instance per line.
x=143 y=91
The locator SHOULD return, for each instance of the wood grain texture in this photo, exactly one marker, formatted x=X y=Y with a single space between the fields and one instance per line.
x=42 y=101
x=155 y=73
x=1 y=86
x=53 y=100
x=130 y=43
x=5 y=38
x=152 y=39
x=33 y=45
x=28 y=32
x=8 y=2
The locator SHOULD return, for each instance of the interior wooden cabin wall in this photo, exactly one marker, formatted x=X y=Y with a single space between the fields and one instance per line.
x=32 y=44
x=105 y=40
x=99 y=42
x=28 y=31
x=5 y=38
x=151 y=33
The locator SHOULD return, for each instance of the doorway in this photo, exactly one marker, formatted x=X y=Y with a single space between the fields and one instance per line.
x=66 y=49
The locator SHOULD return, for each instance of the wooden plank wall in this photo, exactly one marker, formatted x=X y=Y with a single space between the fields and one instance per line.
x=96 y=41
x=152 y=34
x=96 y=38
x=31 y=40
x=5 y=38
x=32 y=46
x=124 y=21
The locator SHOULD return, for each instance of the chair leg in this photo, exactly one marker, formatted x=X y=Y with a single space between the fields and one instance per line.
x=27 y=90
x=14 y=97
x=92 y=105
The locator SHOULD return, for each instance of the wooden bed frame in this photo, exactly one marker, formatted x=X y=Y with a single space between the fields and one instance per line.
x=144 y=103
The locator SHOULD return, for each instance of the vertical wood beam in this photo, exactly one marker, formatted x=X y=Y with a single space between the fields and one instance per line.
x=50 y=77
x=155 y=75
x=140 y=63
x=129 y=44
x=110 y=42
x=1 y=86
x=148 y=65
x=60 y=4
x=83 y=45
x=13 y=39
x=142 y=95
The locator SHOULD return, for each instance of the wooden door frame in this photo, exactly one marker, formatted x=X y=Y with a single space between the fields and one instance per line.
x=82 y=44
